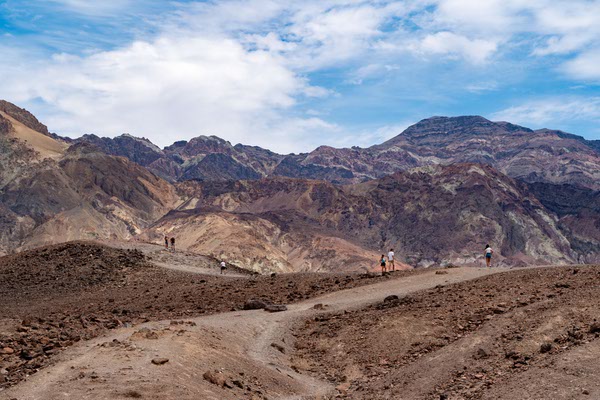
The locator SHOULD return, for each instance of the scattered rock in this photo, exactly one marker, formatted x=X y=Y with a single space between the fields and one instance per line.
x=390 y=298
x=343 y=388
x=256 y=304
x=545 y=347
x=238 y=383
x=28 y=355
x=595 y=327
x=481 y=353
x=441 y=272
x=160 y=361
x=215 y=377
x=276 y=307
x=498 y=310
x=145 y=333
x=279 y=347
x=7 y=350
x=319 y=306
x=134 y=394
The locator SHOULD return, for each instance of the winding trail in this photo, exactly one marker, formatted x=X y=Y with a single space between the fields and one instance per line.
x=249 y=348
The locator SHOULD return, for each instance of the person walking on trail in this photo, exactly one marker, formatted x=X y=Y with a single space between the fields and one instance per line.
x=166 y=242
x=391 y=260
x=488 y=255
x=172 y=244
x=382 y=263
x=223 y=267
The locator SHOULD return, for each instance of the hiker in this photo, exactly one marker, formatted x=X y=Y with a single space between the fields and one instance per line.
x=166 y=242
x=223 y=267
x=172 y=244
x=488 y=255
x=391 y=260
x=382 y=263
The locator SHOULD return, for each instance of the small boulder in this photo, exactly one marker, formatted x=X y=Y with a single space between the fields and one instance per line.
x=595 y=327
x=215 y=377
x=481 y=353
x=160 y=361
x=441 y=272
x=545 y=347
x=276 y=307
x=255 y=304
x=390 y=298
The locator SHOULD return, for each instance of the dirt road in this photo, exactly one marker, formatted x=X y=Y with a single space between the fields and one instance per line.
x=241 y=354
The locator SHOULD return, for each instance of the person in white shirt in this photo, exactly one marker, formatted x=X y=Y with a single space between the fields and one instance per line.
x=391 y=260
x=223 y=267
x=488 y=255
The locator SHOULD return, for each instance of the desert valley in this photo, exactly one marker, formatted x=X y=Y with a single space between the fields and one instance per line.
x=93 y=306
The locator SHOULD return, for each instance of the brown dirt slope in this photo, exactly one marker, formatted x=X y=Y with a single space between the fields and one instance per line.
x=528 y=334
x=55 y=296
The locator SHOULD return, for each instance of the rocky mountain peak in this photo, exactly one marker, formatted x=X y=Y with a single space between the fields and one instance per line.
x=23 y=116
x=142 y=140
x=204 y=145
x=470 y=124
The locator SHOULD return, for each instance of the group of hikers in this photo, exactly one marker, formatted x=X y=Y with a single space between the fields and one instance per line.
x=390 y=260
x=171 y=241
x=384 y=262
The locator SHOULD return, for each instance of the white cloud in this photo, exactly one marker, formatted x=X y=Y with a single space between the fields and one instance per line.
x=476 y=51
x=93 y=8
x=239 y=68
x=371 y=71
x=585 y=66
x=553 y=111
x=168 y=89
x=479 y=87
x=548 y=27
x=492 y=17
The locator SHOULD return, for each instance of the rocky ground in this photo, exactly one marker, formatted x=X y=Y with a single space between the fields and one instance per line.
x=53 y=297
x=524 y=334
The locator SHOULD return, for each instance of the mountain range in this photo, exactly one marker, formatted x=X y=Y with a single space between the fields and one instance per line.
x=436 y=193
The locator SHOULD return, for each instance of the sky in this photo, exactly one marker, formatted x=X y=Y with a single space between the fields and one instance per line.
x=293 y=75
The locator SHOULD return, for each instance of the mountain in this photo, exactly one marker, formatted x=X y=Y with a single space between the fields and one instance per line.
x=437 y=193
x=9 y=110
x=533 y=156
x=543 y=155
x=202 y=158
x=435 y=215
x=51 y=191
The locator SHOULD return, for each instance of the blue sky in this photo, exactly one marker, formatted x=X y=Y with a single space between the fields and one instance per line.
x=290 y=76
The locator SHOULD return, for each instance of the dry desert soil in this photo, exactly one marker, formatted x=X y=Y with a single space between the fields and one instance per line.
x=88 y=321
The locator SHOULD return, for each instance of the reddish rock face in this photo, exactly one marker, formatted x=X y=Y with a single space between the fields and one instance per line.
x=431 y=216
x=533 y=156
x=437 y=194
